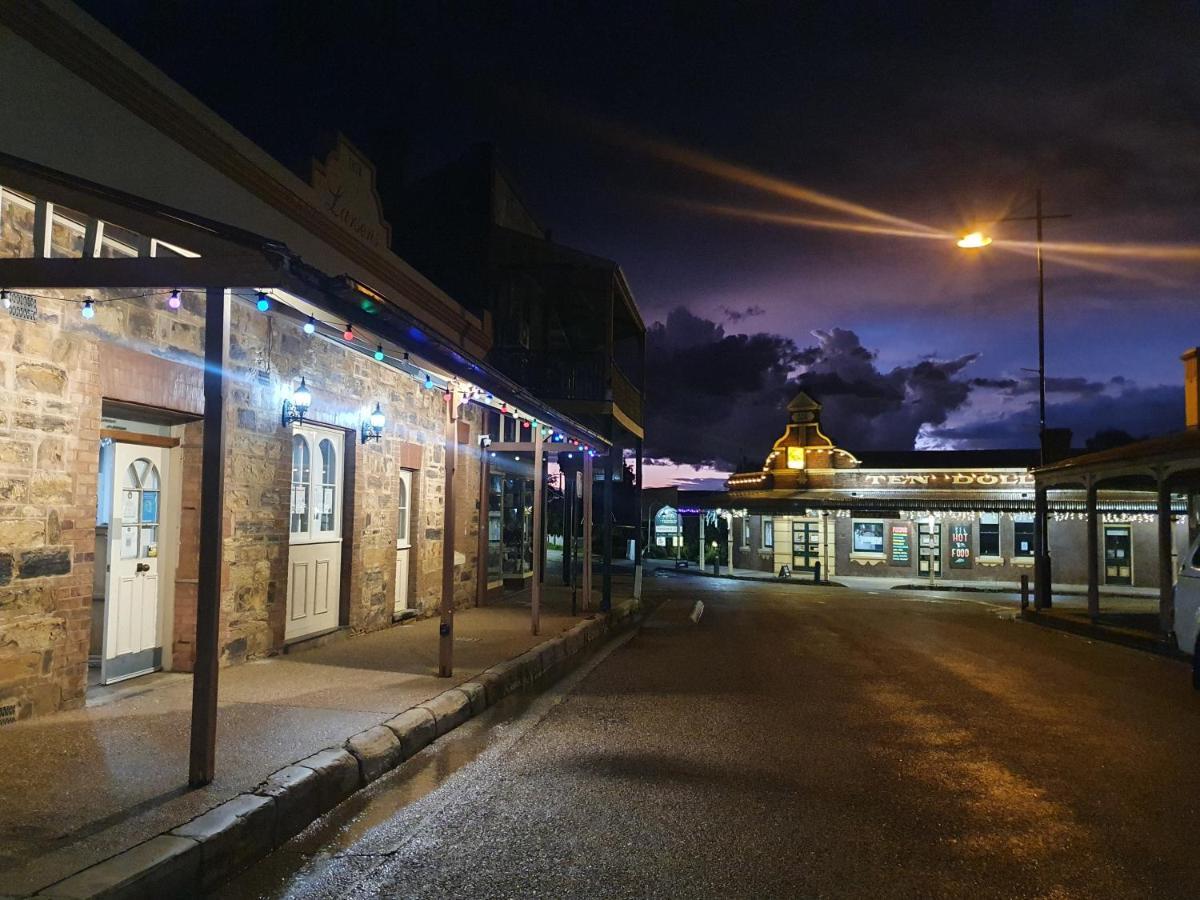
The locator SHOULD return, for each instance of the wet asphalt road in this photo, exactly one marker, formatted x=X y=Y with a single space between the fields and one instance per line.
x=797 y=742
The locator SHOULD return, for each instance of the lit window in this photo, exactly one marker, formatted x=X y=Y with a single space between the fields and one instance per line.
x=868 y=537
x=768 y=533
x=989 y=534
x=1023 y=534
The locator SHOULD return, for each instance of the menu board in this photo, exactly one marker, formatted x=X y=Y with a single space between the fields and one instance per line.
x=960 y=546
x=901 y=545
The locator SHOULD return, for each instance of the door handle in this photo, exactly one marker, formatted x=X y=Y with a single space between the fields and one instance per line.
x=143 y=567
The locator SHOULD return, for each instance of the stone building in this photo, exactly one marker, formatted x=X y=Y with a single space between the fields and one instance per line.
x=180 y=310
x=951 y=515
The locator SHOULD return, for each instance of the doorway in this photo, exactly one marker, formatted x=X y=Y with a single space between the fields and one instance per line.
x=806 y=545
x=130 y=572
x=315 y=531
x=929 y=542
x=1118 y=555
x=403 y=539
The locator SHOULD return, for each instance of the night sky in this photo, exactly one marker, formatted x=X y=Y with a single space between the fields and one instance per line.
x=613 y=118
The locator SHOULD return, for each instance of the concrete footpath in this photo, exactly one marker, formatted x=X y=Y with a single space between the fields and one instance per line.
x=94 y=801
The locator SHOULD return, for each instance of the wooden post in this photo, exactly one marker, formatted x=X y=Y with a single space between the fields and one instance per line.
x=606 y=532
x=1093 y=552
x=203 y=753
x=1041 y=560
x=539 y=539
x=639 y=546
x=1166 y=571
x=446 y=629
x=481 y=566
x=587 y=532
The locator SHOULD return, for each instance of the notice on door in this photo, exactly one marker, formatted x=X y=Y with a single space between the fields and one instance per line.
x=960 y=546
x=901 y=545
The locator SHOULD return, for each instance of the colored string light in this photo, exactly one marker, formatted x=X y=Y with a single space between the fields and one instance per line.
x=88 y=310
x=310 y=326
x=379 y=353
x=264 y=302
x=348 y=334
x=174 y=301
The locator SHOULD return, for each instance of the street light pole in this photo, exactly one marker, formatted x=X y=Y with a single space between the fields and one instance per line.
x=975 y=240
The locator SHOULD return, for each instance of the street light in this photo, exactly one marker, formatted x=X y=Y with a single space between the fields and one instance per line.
x=976 y=240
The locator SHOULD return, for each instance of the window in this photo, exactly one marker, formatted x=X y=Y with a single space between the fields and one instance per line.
x=402 y=503
x=745 y=532
x=768 y=535
x=1023 y=535
x=495 y=526
x=300 y=475
x=868 y=537
x=326 y=508
x=989 y=534
x=139 y=510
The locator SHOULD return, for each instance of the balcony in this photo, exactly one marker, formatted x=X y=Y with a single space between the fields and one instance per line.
x=588 y=377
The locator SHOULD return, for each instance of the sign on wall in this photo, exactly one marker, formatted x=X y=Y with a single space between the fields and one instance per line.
x=960 y=546
x=901 y=545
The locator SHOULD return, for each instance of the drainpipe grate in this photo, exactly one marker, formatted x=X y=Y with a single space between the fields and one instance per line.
x=8 y=714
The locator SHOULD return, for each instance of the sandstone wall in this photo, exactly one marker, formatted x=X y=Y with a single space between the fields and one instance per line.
x=51 y=372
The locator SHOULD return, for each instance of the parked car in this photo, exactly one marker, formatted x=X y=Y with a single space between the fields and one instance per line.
x=1187 y=609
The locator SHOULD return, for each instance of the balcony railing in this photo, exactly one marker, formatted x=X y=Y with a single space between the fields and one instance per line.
x=570 y=376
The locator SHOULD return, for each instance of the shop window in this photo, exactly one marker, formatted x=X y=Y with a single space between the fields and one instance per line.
x=989 y=534
x=495 y=526
x=745 y=532
x=867 y=537
x=1023 y=534
x=768 y=535
x=518 y=525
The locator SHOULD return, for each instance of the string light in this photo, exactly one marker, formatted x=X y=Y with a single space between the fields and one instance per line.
x=348 y=334
x=174 y=301
x=88 y=310
x=379 y=353
x=428 y=381
x=264 y=302
x=310 y=326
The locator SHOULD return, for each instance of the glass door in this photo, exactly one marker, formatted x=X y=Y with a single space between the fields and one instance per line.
x=929 y=541
x=806 y=545
x=1118 y=555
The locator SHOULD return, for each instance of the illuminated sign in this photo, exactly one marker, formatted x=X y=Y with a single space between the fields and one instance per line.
x=960 y=546
x=901 y=545
x=795 y=457
x=943 y=479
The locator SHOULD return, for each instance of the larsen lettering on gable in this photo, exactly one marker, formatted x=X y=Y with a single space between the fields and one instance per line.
x=345 y=184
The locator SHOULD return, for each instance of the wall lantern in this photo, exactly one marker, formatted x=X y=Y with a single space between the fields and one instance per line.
x=372 y=426
x=297 y=405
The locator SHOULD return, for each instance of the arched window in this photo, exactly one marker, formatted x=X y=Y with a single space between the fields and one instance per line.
x=139 y=510
x=300 y=478
x=328 y=486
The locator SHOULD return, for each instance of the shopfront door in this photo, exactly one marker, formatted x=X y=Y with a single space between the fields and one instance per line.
x=315 y=526
x=929 y=541
x=1118 y=555
x=133 y=594
x=806 y=545
x=403 y=539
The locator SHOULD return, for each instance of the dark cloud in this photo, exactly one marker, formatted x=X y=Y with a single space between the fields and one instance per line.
x=710 y=395
x=866 y=408
x=1123 y=407
x=1076 y=386
x=736 y=315
x=714 y=397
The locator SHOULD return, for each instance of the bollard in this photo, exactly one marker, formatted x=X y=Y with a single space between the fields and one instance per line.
x=817 y=572
x=1024 y=592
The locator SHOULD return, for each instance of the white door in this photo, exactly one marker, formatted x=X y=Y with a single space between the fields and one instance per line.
x=133 y=591
x=403 y=539
x=315 y=527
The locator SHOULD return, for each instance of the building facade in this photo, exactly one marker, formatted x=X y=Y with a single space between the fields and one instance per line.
x=346 y=383
x=925 y=515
